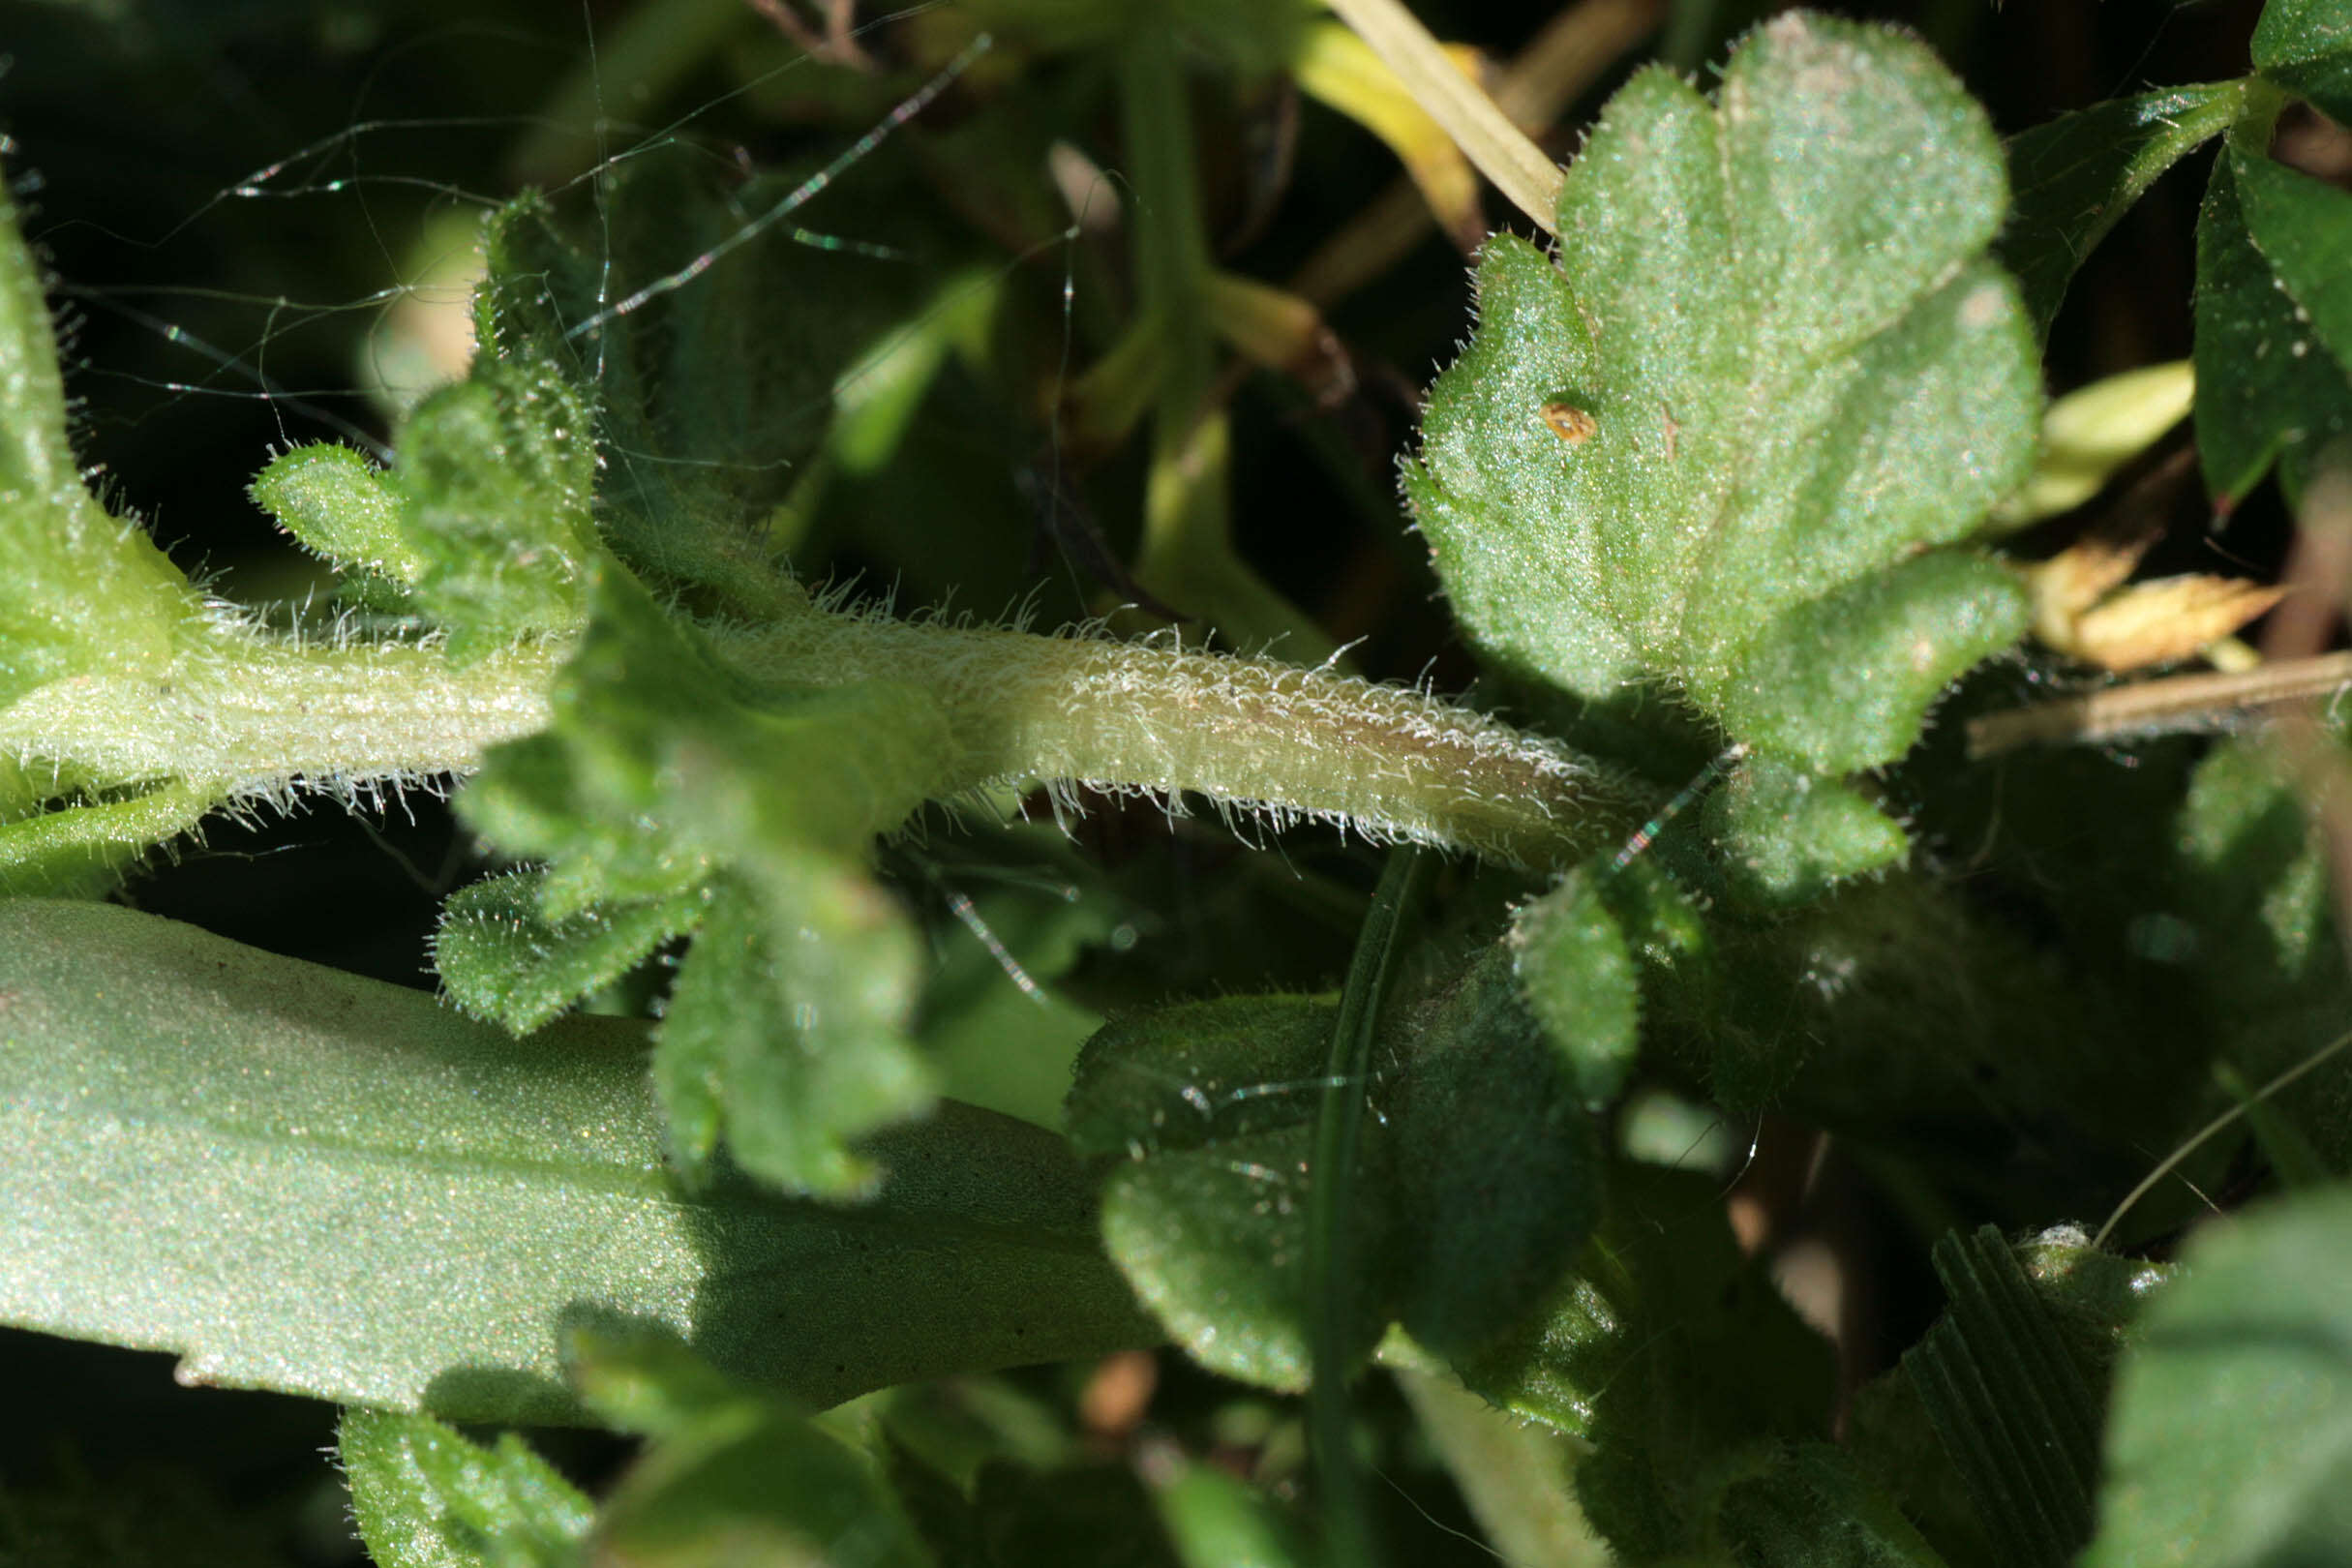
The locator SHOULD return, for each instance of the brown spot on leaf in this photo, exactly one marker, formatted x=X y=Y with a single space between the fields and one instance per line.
x=1570 y=423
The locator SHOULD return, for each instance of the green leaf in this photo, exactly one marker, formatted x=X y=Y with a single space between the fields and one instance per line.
x=2250 y=910
x=302 y=1180
x=426 y=1496
x=2304 y=229
x=745 y=813
x=784 y=1030
x=1790 y=836
x=1672 y=1355
x=733 y=1476
x=1216 y=1519
x=2075 y=176
x=2306 y=46
x=1478 y=1181
x=1804 y=377
x=502 y=959
x=343 y=507
x=83 y=593
x=2231 y=1436
x=2016 y=1414
x=1579 y=984
x=1813 y=1510
x=80 y=849
x=2270 y=386
x=2089 y=1299
x=709 y=398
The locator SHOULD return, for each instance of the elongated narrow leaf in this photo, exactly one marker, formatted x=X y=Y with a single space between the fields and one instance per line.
x=2079 y=174
x=425 y=1496
x=2231 y=1439
x=303 y=1179
x=1714 y=442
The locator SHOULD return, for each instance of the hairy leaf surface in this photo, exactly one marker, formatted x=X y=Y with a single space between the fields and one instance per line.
x=303 y=1179
x=745 y=814
x=1801 y=377
x=425 y=1496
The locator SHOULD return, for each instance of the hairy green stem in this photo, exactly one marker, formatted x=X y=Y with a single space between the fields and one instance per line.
x=1254 y=734
x=243 y=716
x=248 y=715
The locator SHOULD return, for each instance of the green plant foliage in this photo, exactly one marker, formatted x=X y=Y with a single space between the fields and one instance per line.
x=710 y=398
x=786 y=1028
x=1579 y=984
x=84 y=593
x=1968 y=1489
x=425 y=1496
x=1746 y=521
x=341 y=508
x=502 y=959
x=1725 y=492
x=304 y=1180
x=2271 y=386
x=1672 y=1356
x=2251 y=903
x=2016 y=1413
x=733 y=1476
x=1477 y=1180
x=2306 y=46
x=2230 y=1433
x=1811 y=1509
x=2076 y=176
x=1791 y=836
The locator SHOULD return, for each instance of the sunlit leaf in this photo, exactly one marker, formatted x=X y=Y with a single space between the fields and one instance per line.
x=84 y=593
x=1801 y=377
x=302 y=1180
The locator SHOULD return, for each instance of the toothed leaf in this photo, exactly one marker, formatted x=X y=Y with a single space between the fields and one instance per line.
x=1802 y=379
x=502 y=959
x=1579 y=981
x=425 y=1496
x=785 y=1032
